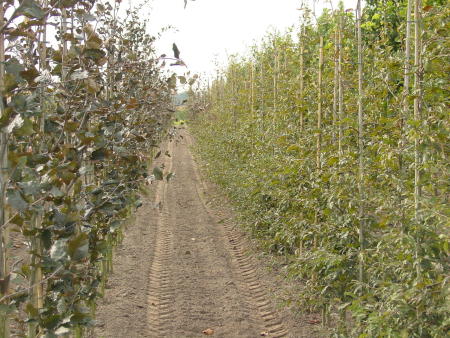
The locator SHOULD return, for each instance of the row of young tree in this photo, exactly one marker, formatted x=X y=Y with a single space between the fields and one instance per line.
x=84 y=100
x=336 y=148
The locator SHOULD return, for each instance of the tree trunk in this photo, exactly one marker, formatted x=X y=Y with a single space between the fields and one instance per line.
x=4 y=273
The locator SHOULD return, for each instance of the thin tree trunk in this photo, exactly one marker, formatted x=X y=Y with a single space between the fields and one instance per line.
x=43 y=62
x=4 y=273
x=405 y=111
x=64 y=45
x=36 y=293
x=360 y=145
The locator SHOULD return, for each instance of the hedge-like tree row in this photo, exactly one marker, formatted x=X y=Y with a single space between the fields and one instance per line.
x=84 y=101
x=335 y=148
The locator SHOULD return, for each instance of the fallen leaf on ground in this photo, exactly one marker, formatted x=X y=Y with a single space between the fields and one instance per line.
x=208 y=332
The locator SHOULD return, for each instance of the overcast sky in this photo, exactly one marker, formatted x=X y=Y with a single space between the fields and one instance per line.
x=207 y=31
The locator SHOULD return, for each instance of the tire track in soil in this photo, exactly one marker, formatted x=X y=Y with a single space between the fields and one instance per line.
x=160 y=288
x=181 y=270
x=254 y=291
x=208 y=293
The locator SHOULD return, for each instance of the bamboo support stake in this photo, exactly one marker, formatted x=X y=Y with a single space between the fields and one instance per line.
x=319 y=107
x=275 y=95
x=262 y=92
x=275 y=74
x=360 y=145
x=417 y=118
x=252 y=89
x=261 y=87
x=233 y=104
x=340 y=89
x=302 y=51
x=64 y=45
x=417 y=103
x=43 y=62
x=405 y=111
x=336 y=79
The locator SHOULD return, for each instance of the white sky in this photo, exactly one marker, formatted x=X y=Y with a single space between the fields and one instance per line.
x=207 y=31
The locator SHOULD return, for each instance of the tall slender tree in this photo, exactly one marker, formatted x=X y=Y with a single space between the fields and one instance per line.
x=4 y=273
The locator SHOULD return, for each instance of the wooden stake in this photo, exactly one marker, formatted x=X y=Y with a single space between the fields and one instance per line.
x=417 y=103
x=341 y=89
x=336 y=79
x=319 y=106
x=252 y=88
x=360 y=144
x=302 y=51
x=275 y=74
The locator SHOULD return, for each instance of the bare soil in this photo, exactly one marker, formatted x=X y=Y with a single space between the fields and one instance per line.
x=185 y=270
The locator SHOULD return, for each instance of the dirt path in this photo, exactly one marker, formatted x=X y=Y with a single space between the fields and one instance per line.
x=182 y=269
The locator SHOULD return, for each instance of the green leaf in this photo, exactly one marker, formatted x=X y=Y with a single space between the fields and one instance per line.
x=31 y=310
x=30 y=9
x=56 y=192
x=30 y=188
x=26 y=129
x=172 y=81
x=115 y=225
x=78 y=248
x=58 y=250
x=51 y=322
x=46 y=238
x=16 y=201
x=99 y=154
x=94 y=54
x=169 y=176
x=157 y=172
x=30 y=74
x=6 y=309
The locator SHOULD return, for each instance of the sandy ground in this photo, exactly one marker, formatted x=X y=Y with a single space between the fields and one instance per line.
x=185 y=270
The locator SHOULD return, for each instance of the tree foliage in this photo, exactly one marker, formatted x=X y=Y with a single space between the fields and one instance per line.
x=259 y=135
x=79 y=117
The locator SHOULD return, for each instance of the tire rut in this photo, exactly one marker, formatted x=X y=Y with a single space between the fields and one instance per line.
x=246 y=266
x=160 y=287
x=183 y=268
